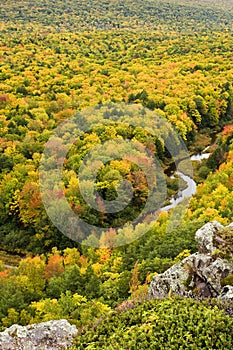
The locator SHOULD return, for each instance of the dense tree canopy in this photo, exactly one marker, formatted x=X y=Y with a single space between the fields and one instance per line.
x=116 y=14
x=57 y=58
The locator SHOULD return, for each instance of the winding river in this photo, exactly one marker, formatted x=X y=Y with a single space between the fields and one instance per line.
x=190 y=190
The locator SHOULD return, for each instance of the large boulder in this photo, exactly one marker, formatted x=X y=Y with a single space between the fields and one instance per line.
x=227 y=293
x=205 y=237
x=52 y=335
x=201 y=274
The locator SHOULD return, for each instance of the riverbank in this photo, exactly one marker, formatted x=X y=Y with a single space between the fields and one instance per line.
x=191 y=184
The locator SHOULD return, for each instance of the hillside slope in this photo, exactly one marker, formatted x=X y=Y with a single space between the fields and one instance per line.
x=87 y=14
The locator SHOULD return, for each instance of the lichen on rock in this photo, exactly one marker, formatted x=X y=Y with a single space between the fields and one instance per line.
x=52 y=335
x=200 y=274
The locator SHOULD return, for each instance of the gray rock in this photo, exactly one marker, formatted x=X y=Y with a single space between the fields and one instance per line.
x=215 y=272
x=204 y=237
x=52 y=335
x=200 y=274
x=226 y=293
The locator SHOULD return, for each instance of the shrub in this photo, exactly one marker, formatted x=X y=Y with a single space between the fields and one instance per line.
x=170 y=324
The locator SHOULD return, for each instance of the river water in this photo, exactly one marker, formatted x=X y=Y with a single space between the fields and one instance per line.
x=190 y=190
x=199 y=157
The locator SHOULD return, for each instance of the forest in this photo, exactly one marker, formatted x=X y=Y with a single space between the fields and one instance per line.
x=87 y=15
x=58 y=58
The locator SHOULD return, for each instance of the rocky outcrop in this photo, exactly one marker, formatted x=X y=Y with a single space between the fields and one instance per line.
x=201 y=274
x=52 y=335
x=227 y=293
x=205 y=237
